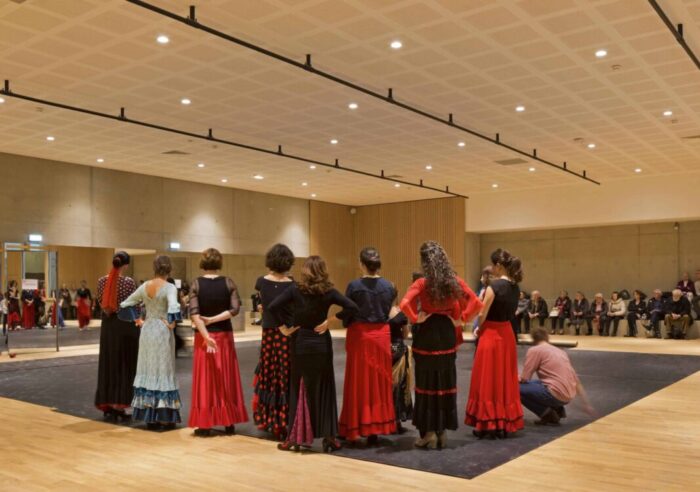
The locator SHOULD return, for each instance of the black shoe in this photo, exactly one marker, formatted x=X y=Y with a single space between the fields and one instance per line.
x=330 y=445
x=287 y=446
x=169 y=426
x=109 y=415
x=202 y=432
x=561 y=411
x=230 y=430
x=400 y=429
x=548 y=417
x=372 y=440
x=152 y=426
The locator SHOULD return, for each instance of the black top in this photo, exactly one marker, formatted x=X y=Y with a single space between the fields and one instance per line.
x=505 y=300
x=681 y=306
x=603 y=309
x=580 y=307
x=564 y=306
x=269 y=290
x=83 y=294
x=374 y=297
x=212 y=296
x=539 y=307
x=638 y=309
x=309 y=311
x=396 y=325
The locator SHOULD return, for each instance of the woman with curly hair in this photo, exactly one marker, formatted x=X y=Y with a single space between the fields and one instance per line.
x=437 y=305
x=493 y=408
x=271 y=380
x=313 y=410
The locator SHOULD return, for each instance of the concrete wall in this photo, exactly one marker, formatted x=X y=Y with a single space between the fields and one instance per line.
x=74 y=205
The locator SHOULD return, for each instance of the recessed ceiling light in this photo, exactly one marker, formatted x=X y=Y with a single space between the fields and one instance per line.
x=50 y=138
x=668 y=113
x=313 y=195
x=312 y=166
x=532 y=169
x=334 y=141
x=353 y=106
x=2 y=100
x=428 y=167
x=100 y=160
x=591 y=146
x=185 y=101
x=461 y=144
x=397 y=185
x=495 y=185
x=163 y=39
x=224 y=180
x=638 y=170
x=601 y=54
x=520 y=109
x=200 y=165
x=396 y=44
x=258 y=176
x=305 y=183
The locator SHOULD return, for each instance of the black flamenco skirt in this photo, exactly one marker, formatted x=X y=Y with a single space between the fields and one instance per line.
x=401 y=375
x=434 y=353
x=119 y=350
x=313 y=409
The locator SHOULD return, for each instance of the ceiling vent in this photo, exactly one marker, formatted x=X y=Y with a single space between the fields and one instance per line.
x=692 y=137
x=511 y=162
x=176 y=152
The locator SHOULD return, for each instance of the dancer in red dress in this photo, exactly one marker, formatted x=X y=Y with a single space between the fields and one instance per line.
x=494 y=408
x=14 y=318
x=27 y=309
x=84 y=301
x=437 y=305
x=368 y=408
x=217 y=393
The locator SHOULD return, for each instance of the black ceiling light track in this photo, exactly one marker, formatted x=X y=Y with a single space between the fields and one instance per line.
x=209 y=137
x=677 y=31
x=191 y=20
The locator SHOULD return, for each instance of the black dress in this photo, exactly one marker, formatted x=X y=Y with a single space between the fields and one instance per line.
x=313 y=409
x=401 y=369
x=271 y=380
x=119 y=351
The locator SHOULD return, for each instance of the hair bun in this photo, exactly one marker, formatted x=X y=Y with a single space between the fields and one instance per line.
x=116 y=262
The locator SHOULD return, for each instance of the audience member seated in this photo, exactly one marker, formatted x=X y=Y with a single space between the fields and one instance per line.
x=616 y=311
x=686 y=287
x=538 y=309
x=696 y=299
x=521 y=313
x=599 y=313
x=677 y=315
x=580 y=313
x=560 y=312
x=656 y=310
x=636 y=311
x=558 y=383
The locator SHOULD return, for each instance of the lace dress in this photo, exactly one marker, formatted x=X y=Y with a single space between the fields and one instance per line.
x=156 y=393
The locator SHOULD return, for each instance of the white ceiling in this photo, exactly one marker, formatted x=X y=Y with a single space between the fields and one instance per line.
x=476 y=59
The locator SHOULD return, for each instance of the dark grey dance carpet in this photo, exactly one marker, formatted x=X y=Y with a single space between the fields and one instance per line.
x=613 y=380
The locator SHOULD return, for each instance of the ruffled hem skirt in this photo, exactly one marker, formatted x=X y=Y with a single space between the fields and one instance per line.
x=271 y=383
x=401 y=375
x=153 y=406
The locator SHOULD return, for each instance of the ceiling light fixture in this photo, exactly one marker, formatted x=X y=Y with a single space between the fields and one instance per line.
x=591 y=146
x=312 y=167
x=258 y=177
x=428 y=167
x=668 y=112
x=601 y=54
x=174 y=245
x=461 y=144
x=397 y=185
x=334 y=141
x=313 y=195
x=186 y=102
x=50 y=138
x=163 y=39
x=200 y=165
x=495 y=185
x=305 y=183
x=224 y=180
x=396 y=44
x=353 y=106
x=1 y=100
x=532 y=169
x=638 y=170
x=520 y=109
x=100 y=160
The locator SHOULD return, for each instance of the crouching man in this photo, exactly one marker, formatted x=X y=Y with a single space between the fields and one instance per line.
x=557 y=385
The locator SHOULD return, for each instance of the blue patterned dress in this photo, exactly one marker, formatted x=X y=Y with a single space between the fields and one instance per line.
x=156 y=392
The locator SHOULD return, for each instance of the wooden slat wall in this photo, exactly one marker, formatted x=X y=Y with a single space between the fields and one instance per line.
x=331 y=236
x=78 y=263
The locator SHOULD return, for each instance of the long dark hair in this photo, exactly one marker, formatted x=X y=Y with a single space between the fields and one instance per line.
x=314 y=276
x=510 y=263
x=440 y=278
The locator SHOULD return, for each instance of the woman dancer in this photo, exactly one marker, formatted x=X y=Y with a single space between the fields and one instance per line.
x=84 y=300
x=313 y=410
x=14 y=318
x=445 y=302
x=156 y=394
x=217 y=394
x=401 y=367
x=494 y=406
x=368 y=408
x=27 y=309
x=271 y=380
x=119 y=343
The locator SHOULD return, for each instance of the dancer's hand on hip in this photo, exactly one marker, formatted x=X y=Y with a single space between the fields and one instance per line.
x=322 y=328
x=423 y=316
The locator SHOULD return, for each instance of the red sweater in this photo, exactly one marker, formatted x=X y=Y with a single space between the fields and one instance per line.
x=465 y=307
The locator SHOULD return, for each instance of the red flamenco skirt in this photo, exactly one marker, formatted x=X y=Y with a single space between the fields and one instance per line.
x=28 y=316
x=13 y=320
x=217 y=393
x=368 y=404
x=494 y=393
x=83 y=313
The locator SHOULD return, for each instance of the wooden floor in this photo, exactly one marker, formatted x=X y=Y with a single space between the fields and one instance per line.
x=653 y=444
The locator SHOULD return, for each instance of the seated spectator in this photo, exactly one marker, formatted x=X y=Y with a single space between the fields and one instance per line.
x=696 y=299
x=616 y=311
x=579 y=313
x=686 y=286
x=656 y=310
x=558 y=383
x=677 y=315
x=599 y=313
x=521 y=313
x=538 y=309
x=636 y=311
x=560 y=312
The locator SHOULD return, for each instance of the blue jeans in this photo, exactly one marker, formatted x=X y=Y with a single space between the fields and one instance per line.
x=536 y=397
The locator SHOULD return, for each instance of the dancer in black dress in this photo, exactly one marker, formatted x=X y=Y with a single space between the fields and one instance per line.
x=313 y=409
x=401 y=367
x=271 y=380
x=119 y=343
